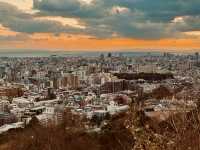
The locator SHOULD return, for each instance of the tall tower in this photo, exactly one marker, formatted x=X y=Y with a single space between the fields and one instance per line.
x=197 y=57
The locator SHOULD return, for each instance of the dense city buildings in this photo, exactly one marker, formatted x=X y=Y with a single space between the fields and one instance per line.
x=96 y=87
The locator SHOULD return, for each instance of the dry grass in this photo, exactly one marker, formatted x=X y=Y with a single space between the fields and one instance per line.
x=128 y=131
x=70 y=135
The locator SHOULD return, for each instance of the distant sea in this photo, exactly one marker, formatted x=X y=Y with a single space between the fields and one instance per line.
x=70 y=54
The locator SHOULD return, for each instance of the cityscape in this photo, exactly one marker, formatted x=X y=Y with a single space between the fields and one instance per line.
x=96 y=88
x=99 y=75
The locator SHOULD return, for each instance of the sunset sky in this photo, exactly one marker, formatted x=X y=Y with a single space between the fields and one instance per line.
x=91 y=25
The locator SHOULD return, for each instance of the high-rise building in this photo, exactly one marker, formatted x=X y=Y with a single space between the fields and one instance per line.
x=197 y=58
x=71 y=81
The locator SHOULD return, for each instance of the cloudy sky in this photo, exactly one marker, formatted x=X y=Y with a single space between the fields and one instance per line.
x=100 y=24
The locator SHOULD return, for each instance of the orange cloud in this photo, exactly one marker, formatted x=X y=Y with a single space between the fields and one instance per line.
x=76 y=23
x=84 y=42
x=6 y=31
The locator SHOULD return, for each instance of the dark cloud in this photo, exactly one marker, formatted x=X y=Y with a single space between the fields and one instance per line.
x=155 y=10
x=71 y=8
x=144 y=19
x=19 y=21
x=147 y=19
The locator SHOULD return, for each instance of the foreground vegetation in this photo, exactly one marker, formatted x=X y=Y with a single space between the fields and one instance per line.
x=127 y=131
